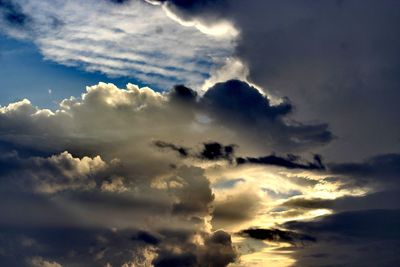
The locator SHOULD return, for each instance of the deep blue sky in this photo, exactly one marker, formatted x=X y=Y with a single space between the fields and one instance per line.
x=26 y=74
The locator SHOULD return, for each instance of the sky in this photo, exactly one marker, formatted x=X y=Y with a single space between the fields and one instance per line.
x=199 y=133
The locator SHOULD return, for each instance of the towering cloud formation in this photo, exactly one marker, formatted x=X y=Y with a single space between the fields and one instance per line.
x=142 y=115
x=91 y=167
x=337 y=60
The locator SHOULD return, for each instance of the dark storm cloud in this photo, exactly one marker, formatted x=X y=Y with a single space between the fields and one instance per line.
x=216 y=151
x=289 y=162
x=187 y=9
x=219 y=252
x=112 y=200
x=363 y=230
x=146 y=237
x=98 y=247
x=381 y=170
x=353 y=238
x=119 y=1
x=379 y=224
x=276 y=235
x=181 y=259
x=380 y=174
x=183 y=93
x=216 y=251
x=382 y=167
x=337 y=60
x=69 y=246
x=12 y=13
x=246 y=101
x=237 y=104
x=96 y=209
x=56 y=234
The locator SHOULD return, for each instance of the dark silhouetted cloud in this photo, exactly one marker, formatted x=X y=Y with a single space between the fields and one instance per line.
x=12 y=13
x=216 y=251
x=381 y=172
x=181 y=150
x=349 y=239
x=382 y=167
x=213 y=151
x=237 y=104
x=216 y=151
x=146 y=238
x=288 y=162
x=276 y=235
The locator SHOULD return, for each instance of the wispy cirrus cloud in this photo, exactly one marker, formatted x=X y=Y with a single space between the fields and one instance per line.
x=131 y=39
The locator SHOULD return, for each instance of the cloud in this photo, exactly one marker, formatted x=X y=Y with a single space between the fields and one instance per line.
x=133 y=39
x=209 y=151
x=146 y=238
x=173 y=213
x=143 y=114
x=289 y=162
x=97 y=163
x=235 y=209
x=275 y=235
x=233 y=69
x=91 y=166
x=314 y=203
x=215 y=151
x=228 y=183
x=12 y=14
x=187 y=14
x=238 y=104
x=375 y=174
x=76 y=246
x=217 y=251
x=348 y=238
x=381 y=168
x=53 y=174
x=336 y=63
x=120 y=177
x=386 y=199
x=181 y=150
x=40 y=262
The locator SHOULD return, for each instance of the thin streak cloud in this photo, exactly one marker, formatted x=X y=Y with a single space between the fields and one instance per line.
x=135 y=39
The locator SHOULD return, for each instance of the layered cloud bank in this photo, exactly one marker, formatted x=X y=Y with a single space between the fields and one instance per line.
x=92 y=171
x=132 y=177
